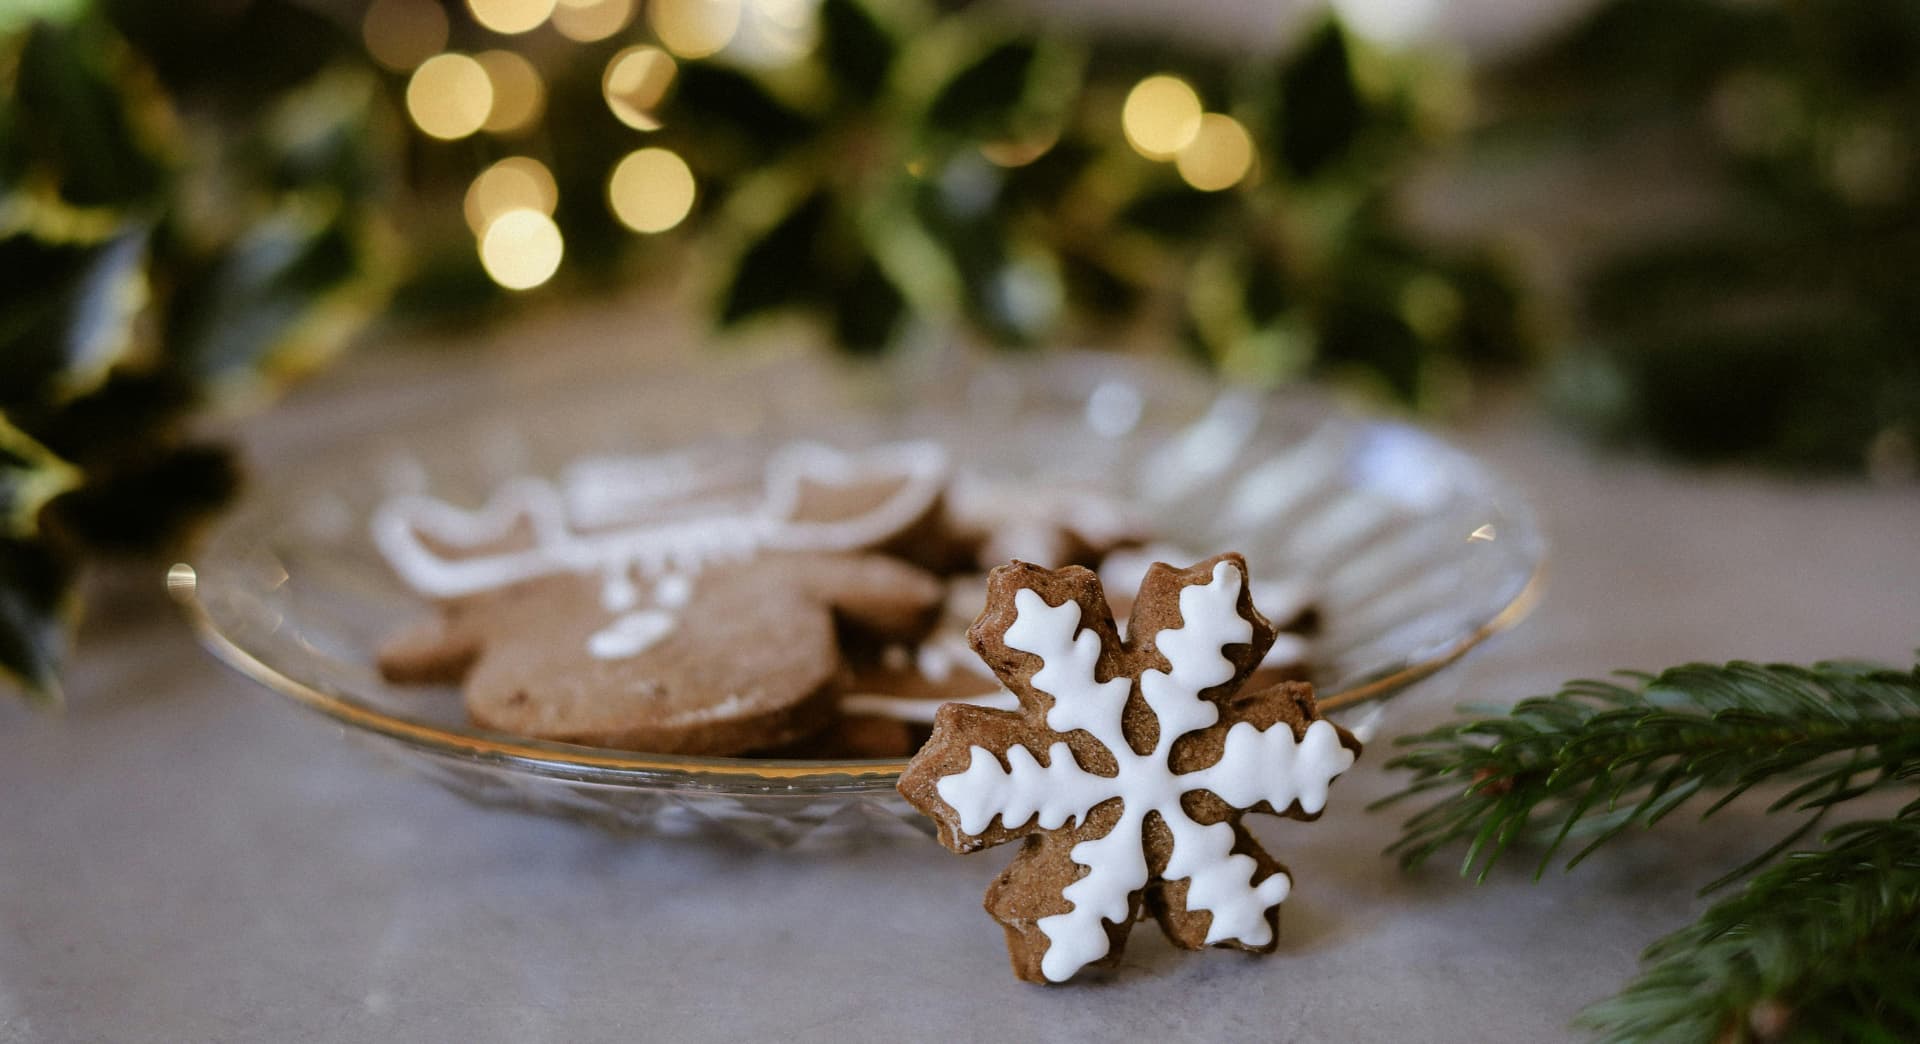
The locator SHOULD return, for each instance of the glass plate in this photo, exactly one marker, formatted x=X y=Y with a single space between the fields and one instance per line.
x=1415 y=550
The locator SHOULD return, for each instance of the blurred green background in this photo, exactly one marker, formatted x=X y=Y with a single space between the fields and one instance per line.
x=1686 y=224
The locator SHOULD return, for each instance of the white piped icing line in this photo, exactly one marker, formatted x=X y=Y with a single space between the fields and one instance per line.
x=666 y=553
x=631 y=634
x=1256 y=765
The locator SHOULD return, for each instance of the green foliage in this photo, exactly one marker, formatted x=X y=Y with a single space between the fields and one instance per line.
x=1820 y=944
x=1775 y=324
x=954 y=169
x=151 y=279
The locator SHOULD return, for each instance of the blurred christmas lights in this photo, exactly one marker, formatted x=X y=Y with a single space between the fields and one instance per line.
x=651 y=190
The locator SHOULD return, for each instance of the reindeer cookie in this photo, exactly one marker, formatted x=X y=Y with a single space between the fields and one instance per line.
x=690 y=617
x=1128 y=766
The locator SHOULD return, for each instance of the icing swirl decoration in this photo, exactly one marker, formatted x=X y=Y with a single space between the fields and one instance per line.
x=650 y=527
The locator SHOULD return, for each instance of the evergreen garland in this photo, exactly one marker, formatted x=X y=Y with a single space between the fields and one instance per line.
x=1820 y=944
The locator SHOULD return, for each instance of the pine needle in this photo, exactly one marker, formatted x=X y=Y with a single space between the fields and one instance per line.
x=1597 y=758
x=1820 y=945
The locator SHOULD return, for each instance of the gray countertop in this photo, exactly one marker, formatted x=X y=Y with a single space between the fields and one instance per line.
x=184 y=857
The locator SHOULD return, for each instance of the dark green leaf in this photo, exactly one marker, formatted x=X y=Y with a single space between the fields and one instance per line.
x=779 y=269
x=36 y=601
x=76 y=119
x=68 y=315
x=728 y=103
x=255 y=304
x=150 y=503
x=982 y=100
x=30 y=475
x=1177 y=213
x=1359 y=334
x=867 y=312
x=239 y=56
x=856 y=50
x=1321 y=111
x=126 y=416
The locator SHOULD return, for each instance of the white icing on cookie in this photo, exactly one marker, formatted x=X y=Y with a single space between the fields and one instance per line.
x=1255 y=765
x=631 y=634
x=665 y=552
x=673 y=591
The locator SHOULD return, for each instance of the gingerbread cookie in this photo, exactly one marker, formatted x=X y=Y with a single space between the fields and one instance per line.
x=705 y=624
x=1052 y=526
x=1288 y=604
x=1129 y=765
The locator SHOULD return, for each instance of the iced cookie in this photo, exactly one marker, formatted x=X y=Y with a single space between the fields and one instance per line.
x=747 y=661
x=1128 y=766
x=688 y=618
x=1047 y=526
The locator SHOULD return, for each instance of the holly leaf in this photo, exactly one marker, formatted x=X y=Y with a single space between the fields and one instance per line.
x=715 y=98
x=149 y=503
x=867 y=312
x=856 y=50
x=69 y=312
x=982 y=100
x=1320 y=112
x=78 y=122
x=244 y=54
x=36 y=607
x=1176 y=213
x=30 y=476
x=131 y=412
x=777 y=270
x=273 y=301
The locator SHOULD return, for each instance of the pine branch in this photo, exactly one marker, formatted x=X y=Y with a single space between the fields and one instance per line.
x=1821 y=946
x=1596 y=758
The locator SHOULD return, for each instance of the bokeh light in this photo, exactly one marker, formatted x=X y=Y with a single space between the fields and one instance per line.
x=1161 y=116
x=1219 y=156
x=694 y=28
x=519 y=95
x=514 y=183
x=521 y=249
x=401 y=34
x=635 y=82
x=510 y=16
x=585 y=21
x=1392 y=22
x=774 y=33
x=651 y=190
x=449 y=96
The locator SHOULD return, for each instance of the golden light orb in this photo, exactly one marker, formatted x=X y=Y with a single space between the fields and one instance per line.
x=401 y=34
x=514 y=183
x=519 y=95
x=1161 y=116
x=511 y=16
x=694 y=28
x=449 y=96
x=635 y=83
x=651 y=190
x=521 y=249
x=1219 y=155
x=586 y=21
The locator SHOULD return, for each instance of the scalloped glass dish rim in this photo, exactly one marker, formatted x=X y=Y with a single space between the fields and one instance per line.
x=724 y=775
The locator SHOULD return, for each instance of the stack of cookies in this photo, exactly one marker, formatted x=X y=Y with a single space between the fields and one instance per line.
x=687 y=604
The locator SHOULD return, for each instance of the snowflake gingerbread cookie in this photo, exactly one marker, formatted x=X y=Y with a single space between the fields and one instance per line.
x=1129 y=765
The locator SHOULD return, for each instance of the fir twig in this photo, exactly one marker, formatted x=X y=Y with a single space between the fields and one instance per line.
x=1821 y=946
x=1599 y=757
